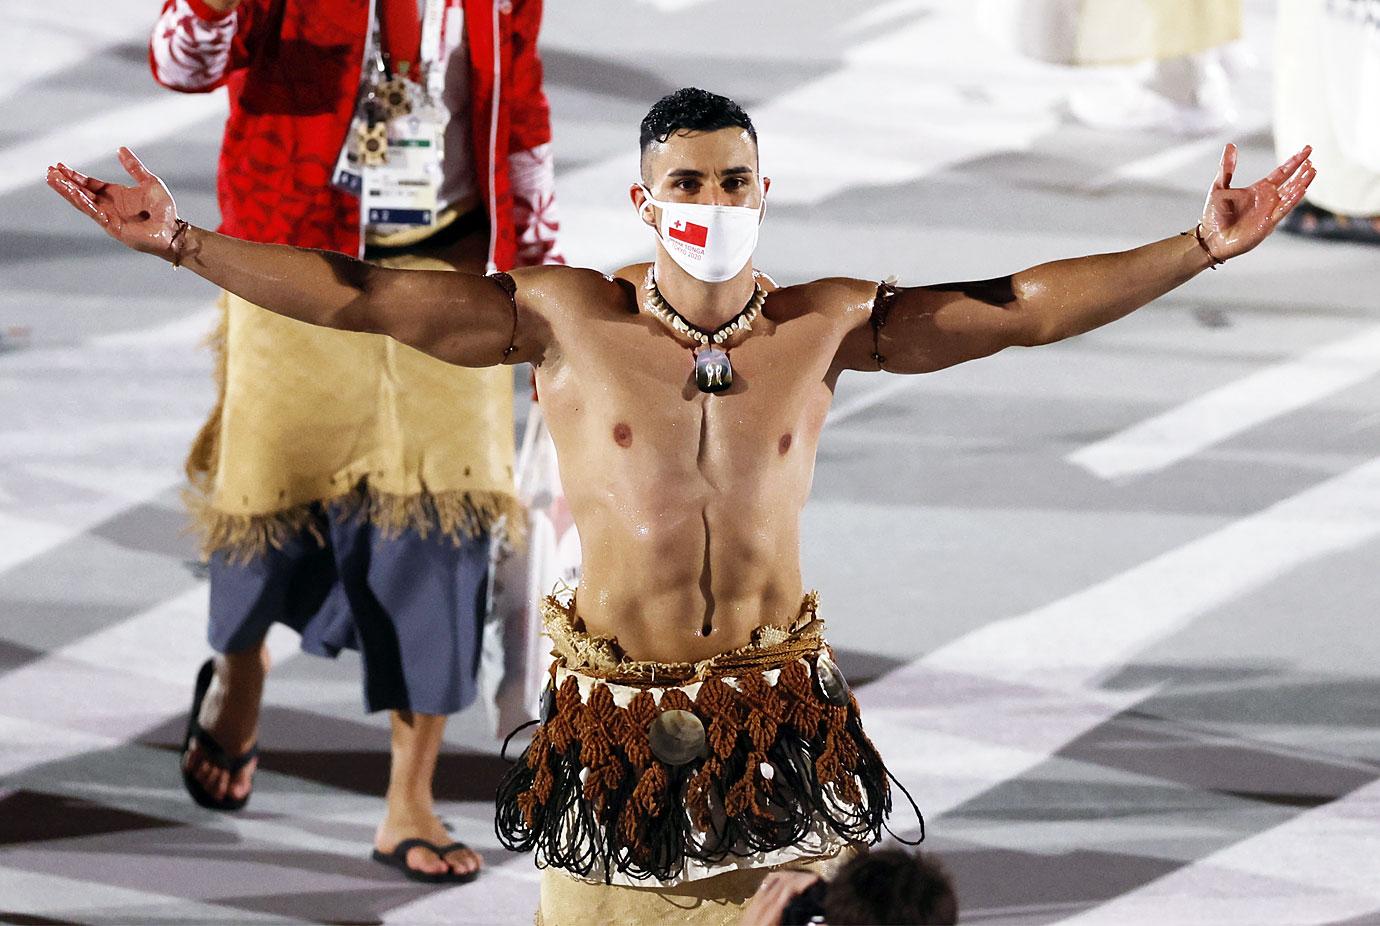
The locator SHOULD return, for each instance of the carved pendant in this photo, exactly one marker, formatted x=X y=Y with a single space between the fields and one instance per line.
x=713 y=371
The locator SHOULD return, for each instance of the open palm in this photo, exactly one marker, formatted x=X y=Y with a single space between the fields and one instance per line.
x=1236 y=220
x=142 y=216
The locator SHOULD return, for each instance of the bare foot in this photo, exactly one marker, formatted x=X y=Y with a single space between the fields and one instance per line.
x=230 y=714
x=401 y=824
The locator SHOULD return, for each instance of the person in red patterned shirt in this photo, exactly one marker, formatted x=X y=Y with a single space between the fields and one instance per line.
x=359 y=515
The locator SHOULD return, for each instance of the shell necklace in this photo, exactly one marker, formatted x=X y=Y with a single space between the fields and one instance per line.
x=713 y=370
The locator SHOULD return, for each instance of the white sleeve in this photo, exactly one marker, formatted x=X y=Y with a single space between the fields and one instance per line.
x=532 y=174
x=188 y=51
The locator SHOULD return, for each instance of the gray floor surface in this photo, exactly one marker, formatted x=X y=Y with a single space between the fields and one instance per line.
x=1111 y=603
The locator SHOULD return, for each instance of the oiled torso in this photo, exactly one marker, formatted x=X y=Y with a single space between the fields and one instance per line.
x=687 y=504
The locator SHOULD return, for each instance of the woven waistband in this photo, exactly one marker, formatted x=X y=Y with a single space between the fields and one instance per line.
x=772 y=646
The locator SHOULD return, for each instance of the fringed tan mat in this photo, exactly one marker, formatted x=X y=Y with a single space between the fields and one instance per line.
x=305 y=414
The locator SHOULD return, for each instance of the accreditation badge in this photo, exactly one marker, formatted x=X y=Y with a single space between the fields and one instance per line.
x=404 y=188
x=392 y=152
x=348 y=173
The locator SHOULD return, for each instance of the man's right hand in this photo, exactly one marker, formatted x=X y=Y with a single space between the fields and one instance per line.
x=142 y=216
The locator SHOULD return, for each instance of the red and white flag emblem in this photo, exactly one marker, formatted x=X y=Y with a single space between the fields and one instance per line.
x=689 y=232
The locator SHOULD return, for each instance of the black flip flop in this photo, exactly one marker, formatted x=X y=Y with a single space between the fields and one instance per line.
x=212 y=750
x=1312 y=221
x=398 y=859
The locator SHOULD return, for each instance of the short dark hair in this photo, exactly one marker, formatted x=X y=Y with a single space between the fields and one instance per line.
x=891 y=886
x=695 y=110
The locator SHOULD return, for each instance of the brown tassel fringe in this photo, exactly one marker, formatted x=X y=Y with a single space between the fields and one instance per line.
x=636 y=815
x=458 y=515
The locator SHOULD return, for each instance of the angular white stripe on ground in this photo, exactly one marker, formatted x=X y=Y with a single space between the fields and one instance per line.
x=1165 y=162
x=97 y=437
x=949 y=737
x=489 y=901
x=144 y=665
x=1077 y=641
x=28 y=530
x=1233 y=409
x=167 y=642
x=147 y=784
x=41 y=894
x=997 y=701
x=32 y=742
x=861 y=402
x=78 y=145
x=1322 y=866
x=162 y=645
x=281 y=804
x=23 y=538
x=53 y=35
x=672 y=6
x=278 y=799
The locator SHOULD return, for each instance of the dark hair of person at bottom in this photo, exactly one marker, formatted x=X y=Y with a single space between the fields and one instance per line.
x=890 y=886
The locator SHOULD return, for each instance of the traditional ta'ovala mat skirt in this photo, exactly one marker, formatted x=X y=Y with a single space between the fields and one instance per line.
x=347 y=486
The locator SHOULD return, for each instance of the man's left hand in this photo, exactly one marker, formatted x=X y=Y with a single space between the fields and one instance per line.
x=1236 y=220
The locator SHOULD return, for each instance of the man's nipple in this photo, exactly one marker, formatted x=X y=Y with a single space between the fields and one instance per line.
x=622 y=434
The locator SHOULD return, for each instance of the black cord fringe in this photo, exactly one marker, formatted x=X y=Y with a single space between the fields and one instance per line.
x=573 y=834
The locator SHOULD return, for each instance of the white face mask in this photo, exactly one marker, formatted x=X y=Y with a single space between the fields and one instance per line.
x=711 y=243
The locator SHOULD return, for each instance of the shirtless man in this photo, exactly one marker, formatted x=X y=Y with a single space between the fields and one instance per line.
x=688 y=501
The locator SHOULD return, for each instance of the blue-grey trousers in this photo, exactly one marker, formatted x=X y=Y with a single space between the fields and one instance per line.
x=411 y=606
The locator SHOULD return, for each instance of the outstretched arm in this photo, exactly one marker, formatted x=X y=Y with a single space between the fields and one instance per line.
x=461 y=318
x=931 y=327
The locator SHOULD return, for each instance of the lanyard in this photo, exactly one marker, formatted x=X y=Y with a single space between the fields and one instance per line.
x=400 y=34
x=409 y=37
x=405 y=47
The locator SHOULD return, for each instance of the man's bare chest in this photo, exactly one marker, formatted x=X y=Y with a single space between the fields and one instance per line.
x=630 y=384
